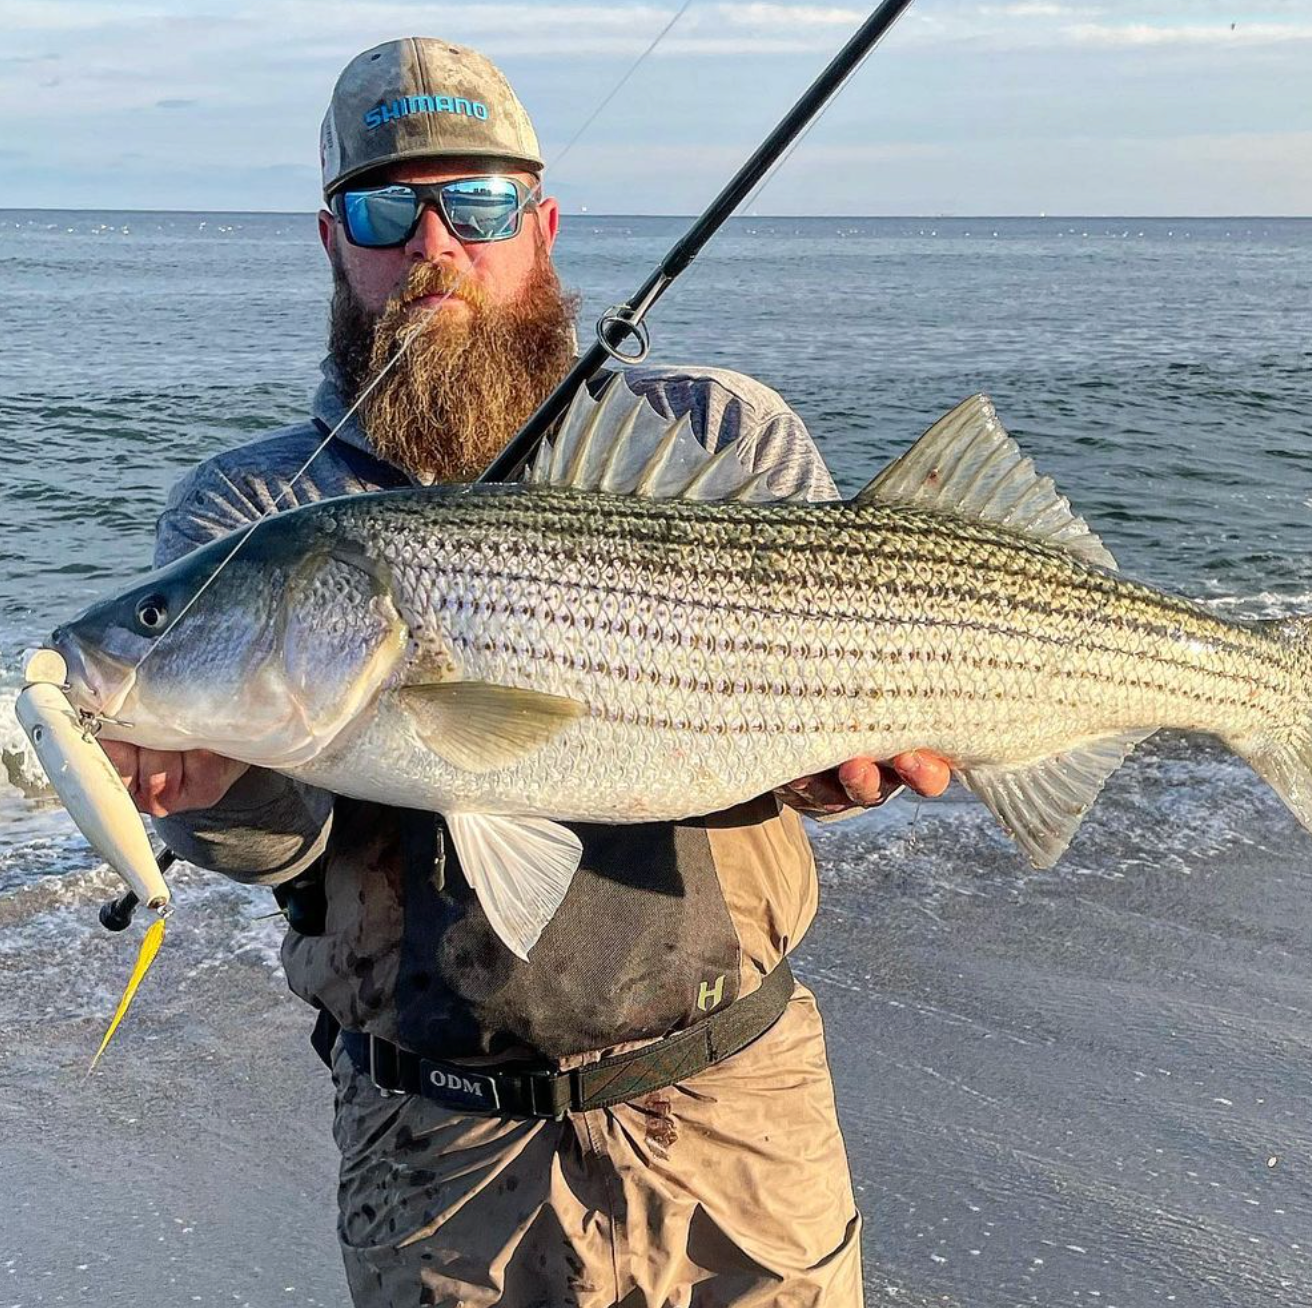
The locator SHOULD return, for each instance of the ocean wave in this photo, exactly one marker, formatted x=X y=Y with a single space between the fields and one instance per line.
x=1260 y=605
x=22 y=771
x=52 y=917
x=1177 y=803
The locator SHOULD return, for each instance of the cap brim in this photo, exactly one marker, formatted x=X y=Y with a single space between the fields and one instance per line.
x=403 y=156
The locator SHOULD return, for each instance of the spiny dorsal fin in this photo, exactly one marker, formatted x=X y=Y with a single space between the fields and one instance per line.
x=1041 y=804
x=620 y=445
x=967 y=464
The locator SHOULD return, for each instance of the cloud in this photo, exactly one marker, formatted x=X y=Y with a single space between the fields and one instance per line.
x=189 y=37
x=790 y=16
x=1140 y=35
x=1034 y=9
x=18 y=16
x=249 y=80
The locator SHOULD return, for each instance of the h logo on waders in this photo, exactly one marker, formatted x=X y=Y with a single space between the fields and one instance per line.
x=709 y=997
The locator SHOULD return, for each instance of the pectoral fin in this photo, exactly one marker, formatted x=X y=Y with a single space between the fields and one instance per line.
x=478 y=726
x=1042 y=804
x=520 y=869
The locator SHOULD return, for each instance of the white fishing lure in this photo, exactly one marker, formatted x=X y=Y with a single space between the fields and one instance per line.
x=85 y=780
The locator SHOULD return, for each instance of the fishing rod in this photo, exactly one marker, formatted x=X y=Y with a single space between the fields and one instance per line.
x=624 y=321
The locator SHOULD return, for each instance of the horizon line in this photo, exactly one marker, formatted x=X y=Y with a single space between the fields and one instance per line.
x=929 y=217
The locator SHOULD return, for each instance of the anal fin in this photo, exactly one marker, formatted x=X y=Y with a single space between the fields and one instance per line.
x=1041 y=804
x=520 y=868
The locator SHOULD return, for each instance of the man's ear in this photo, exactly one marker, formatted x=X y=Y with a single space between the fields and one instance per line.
x=548 y=215
x=327 y=232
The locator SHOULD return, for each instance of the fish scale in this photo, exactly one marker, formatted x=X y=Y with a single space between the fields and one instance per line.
x=894 y=649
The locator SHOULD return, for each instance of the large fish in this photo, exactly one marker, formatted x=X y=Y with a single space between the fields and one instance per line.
x=637 y=635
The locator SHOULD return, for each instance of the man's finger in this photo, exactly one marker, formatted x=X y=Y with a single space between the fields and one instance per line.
x=820 y=791
x=124 y=759
x=206 y=778
x=158 y=776
x=865 y=782
x=925 y=773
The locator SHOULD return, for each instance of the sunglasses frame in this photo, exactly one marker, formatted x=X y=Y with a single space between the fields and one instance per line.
x=428 y=195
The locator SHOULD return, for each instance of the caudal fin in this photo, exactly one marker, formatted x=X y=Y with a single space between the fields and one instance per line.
x=1283 y=759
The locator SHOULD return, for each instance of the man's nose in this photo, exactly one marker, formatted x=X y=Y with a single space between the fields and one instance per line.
x=431 y=241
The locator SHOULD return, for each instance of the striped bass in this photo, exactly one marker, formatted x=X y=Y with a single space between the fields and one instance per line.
x=641 y=633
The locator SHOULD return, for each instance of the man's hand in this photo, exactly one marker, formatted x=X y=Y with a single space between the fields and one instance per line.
x=162 y=782
x=865 y=782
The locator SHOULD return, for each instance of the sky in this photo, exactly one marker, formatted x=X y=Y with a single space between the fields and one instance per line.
x=968 y=107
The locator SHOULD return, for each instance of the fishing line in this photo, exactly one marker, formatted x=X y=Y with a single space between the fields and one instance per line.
x=245 y=534
x=529 y=198
x=154 y=936
x=619 y=86
x=624 y=322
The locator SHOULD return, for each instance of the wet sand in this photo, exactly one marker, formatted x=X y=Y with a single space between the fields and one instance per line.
x=1085 y=1090
x=1094 y=1093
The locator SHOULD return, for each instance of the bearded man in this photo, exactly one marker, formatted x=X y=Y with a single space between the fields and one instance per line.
x=642 y=1112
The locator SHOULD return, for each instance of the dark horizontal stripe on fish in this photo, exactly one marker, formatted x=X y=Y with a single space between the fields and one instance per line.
x=673 y=680
x=1138 y=607
x=1266 y=654
x=814 y=530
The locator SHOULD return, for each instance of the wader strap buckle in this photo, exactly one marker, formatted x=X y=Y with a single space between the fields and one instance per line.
x=551 y=1094
x=384 y=1067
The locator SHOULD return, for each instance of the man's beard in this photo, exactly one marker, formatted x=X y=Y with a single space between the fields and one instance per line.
x=470 y=378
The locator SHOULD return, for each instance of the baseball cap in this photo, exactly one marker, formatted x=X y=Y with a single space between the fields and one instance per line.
x=421 y=98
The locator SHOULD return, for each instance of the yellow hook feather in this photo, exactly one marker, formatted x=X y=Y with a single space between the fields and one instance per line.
x=150 y=944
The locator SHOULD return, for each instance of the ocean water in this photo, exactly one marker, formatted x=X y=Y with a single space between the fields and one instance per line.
x=1158 y=370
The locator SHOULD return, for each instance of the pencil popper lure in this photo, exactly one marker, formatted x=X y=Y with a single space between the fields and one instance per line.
x=98 y=802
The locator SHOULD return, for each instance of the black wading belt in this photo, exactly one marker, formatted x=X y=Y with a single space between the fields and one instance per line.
x=521 y=1091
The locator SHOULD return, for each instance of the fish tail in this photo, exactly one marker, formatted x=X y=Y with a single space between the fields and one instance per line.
x=1283 y=757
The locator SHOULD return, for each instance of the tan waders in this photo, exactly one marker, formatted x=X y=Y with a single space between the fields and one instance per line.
x=731 y=1188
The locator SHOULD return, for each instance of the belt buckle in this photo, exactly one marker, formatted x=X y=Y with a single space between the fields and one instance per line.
x=379 y=1066
x=457 y=1086
x=559 y=1088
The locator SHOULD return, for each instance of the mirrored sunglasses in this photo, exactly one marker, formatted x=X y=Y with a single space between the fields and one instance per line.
x=474 y=209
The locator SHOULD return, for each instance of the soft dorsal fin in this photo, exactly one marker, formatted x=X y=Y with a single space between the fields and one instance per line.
x=620 y=445
x=967 y=464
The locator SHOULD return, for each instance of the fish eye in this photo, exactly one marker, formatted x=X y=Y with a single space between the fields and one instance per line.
x=152 y=614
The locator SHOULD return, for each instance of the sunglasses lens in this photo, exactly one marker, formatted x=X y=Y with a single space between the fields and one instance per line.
x=482 y=208
x=379 y=218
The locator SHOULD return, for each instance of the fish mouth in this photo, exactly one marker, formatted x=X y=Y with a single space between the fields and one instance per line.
x=98 y=683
